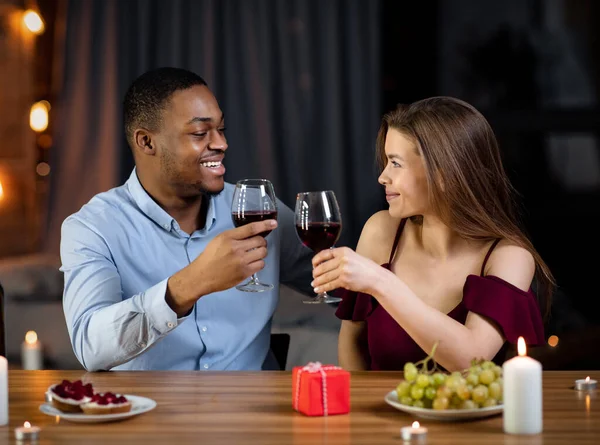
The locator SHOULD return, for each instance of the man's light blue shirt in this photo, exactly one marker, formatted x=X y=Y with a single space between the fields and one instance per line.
x=117 y=254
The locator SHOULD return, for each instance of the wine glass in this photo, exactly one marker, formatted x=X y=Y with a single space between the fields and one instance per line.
x=318 y=224
x=253 y=200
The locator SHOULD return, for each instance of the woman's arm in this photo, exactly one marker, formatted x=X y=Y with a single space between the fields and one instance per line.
x=458 y=344
x=353 y=350
x=353 y=347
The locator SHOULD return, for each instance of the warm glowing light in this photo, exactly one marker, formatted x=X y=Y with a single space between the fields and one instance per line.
x=31 y=337
x=521 y=347
x=1 y=191
x=587 y=379
x=553 y=340
x=27 y=425
x=43 y=169
x=38 y=116
x=416 y=424
x=33 y=21
x=588 y=403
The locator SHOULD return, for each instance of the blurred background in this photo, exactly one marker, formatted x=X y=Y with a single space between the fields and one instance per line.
x=304 y=84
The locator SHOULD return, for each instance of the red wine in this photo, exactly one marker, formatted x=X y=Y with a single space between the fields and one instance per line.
x=242 y=218
x=319 y=235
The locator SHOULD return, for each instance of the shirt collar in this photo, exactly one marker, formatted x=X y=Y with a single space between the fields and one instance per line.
x=156 y=212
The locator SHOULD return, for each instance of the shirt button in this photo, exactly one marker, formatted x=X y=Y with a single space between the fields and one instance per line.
x=205 y=366
x=170 y=325
x=167 y=227
x=204 y=328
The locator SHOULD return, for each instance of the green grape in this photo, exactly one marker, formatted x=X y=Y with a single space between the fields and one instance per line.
x=455 y=401
x=417 y=392
x=439 y=378
x=410 y=372
x=498 y=371
x=406 y=400
x=487 y=376
x=456 y=374
x=500 y=380
x=495 y=390
x=468 y=404
x=418 y=404
x=444 y=391
x=430 y=392
x=473 y=379
x=489 y=402
x=488 y=365
x=476 y=369
x=423 y=381
x=441 y=403
x=463 y=392
x=452 y=382
x=403 y=388
x=480 y=393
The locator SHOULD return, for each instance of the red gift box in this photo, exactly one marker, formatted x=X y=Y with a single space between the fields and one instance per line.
x=319 y=390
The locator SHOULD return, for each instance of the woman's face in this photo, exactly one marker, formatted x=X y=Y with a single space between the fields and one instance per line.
x=404 y=177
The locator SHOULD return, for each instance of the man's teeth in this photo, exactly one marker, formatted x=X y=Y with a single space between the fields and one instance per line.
x=211 y=164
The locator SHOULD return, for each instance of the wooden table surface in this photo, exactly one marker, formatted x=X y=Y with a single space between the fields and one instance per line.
x=255 y=408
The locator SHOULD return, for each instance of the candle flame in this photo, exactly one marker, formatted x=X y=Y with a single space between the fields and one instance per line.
x=1 y=191
x=27 y=425
x=416 y=424
x=587 y=379
x=521 y=347
x=31 y=337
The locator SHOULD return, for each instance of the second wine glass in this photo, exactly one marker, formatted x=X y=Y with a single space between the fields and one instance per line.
x=253 y=200
x=319 y=225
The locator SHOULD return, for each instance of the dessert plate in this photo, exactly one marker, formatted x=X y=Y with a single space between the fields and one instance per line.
x=391 y=398
x=139 y=405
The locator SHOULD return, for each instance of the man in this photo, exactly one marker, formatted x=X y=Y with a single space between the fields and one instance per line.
x=151 y=266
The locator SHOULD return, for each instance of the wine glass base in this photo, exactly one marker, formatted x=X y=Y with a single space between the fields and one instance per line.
x=254 y=287
x=320 y=299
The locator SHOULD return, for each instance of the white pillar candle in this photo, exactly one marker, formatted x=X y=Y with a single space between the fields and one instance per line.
x=31 y=352
x=3 y=391
x=522 y=393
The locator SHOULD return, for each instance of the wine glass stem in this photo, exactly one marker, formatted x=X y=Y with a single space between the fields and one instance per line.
x=254 y=279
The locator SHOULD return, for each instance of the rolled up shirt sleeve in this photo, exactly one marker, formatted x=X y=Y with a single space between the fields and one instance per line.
x=107 y=328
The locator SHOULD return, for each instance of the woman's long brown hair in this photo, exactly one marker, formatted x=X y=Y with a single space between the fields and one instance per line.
x=468 y=187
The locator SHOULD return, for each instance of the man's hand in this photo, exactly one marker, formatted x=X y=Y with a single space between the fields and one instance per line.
x=229 y=258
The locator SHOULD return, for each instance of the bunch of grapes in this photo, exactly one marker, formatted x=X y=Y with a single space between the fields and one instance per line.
x=476 y=387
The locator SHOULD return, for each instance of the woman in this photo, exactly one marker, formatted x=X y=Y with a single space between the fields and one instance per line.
x=447 y=262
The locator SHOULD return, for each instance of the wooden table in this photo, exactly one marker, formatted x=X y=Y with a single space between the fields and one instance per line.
x=255 y=408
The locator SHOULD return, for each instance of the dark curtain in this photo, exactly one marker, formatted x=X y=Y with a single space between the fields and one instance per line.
x=298 y=81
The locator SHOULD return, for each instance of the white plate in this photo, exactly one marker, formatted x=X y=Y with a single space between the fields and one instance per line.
x=139 y=405
x=448 y=414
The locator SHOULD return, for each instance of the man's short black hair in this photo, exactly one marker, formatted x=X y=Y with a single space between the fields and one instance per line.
x=148 y=94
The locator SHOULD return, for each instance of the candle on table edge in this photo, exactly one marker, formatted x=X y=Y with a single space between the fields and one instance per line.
x=522 y=393
x=31 y=352
x=27 y=432
x=3 y=391
x=415 y=432
x=586 y=384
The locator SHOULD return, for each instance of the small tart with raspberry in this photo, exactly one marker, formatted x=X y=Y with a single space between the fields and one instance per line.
x=68 y=396
x=107 y=403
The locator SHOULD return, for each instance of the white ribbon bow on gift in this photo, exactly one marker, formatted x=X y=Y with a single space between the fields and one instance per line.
x=312 y=368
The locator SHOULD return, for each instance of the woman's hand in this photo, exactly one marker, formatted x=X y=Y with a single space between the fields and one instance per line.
x=344 y=268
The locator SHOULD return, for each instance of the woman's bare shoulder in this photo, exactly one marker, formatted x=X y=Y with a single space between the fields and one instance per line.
x=512 y=263
x=377 y=236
